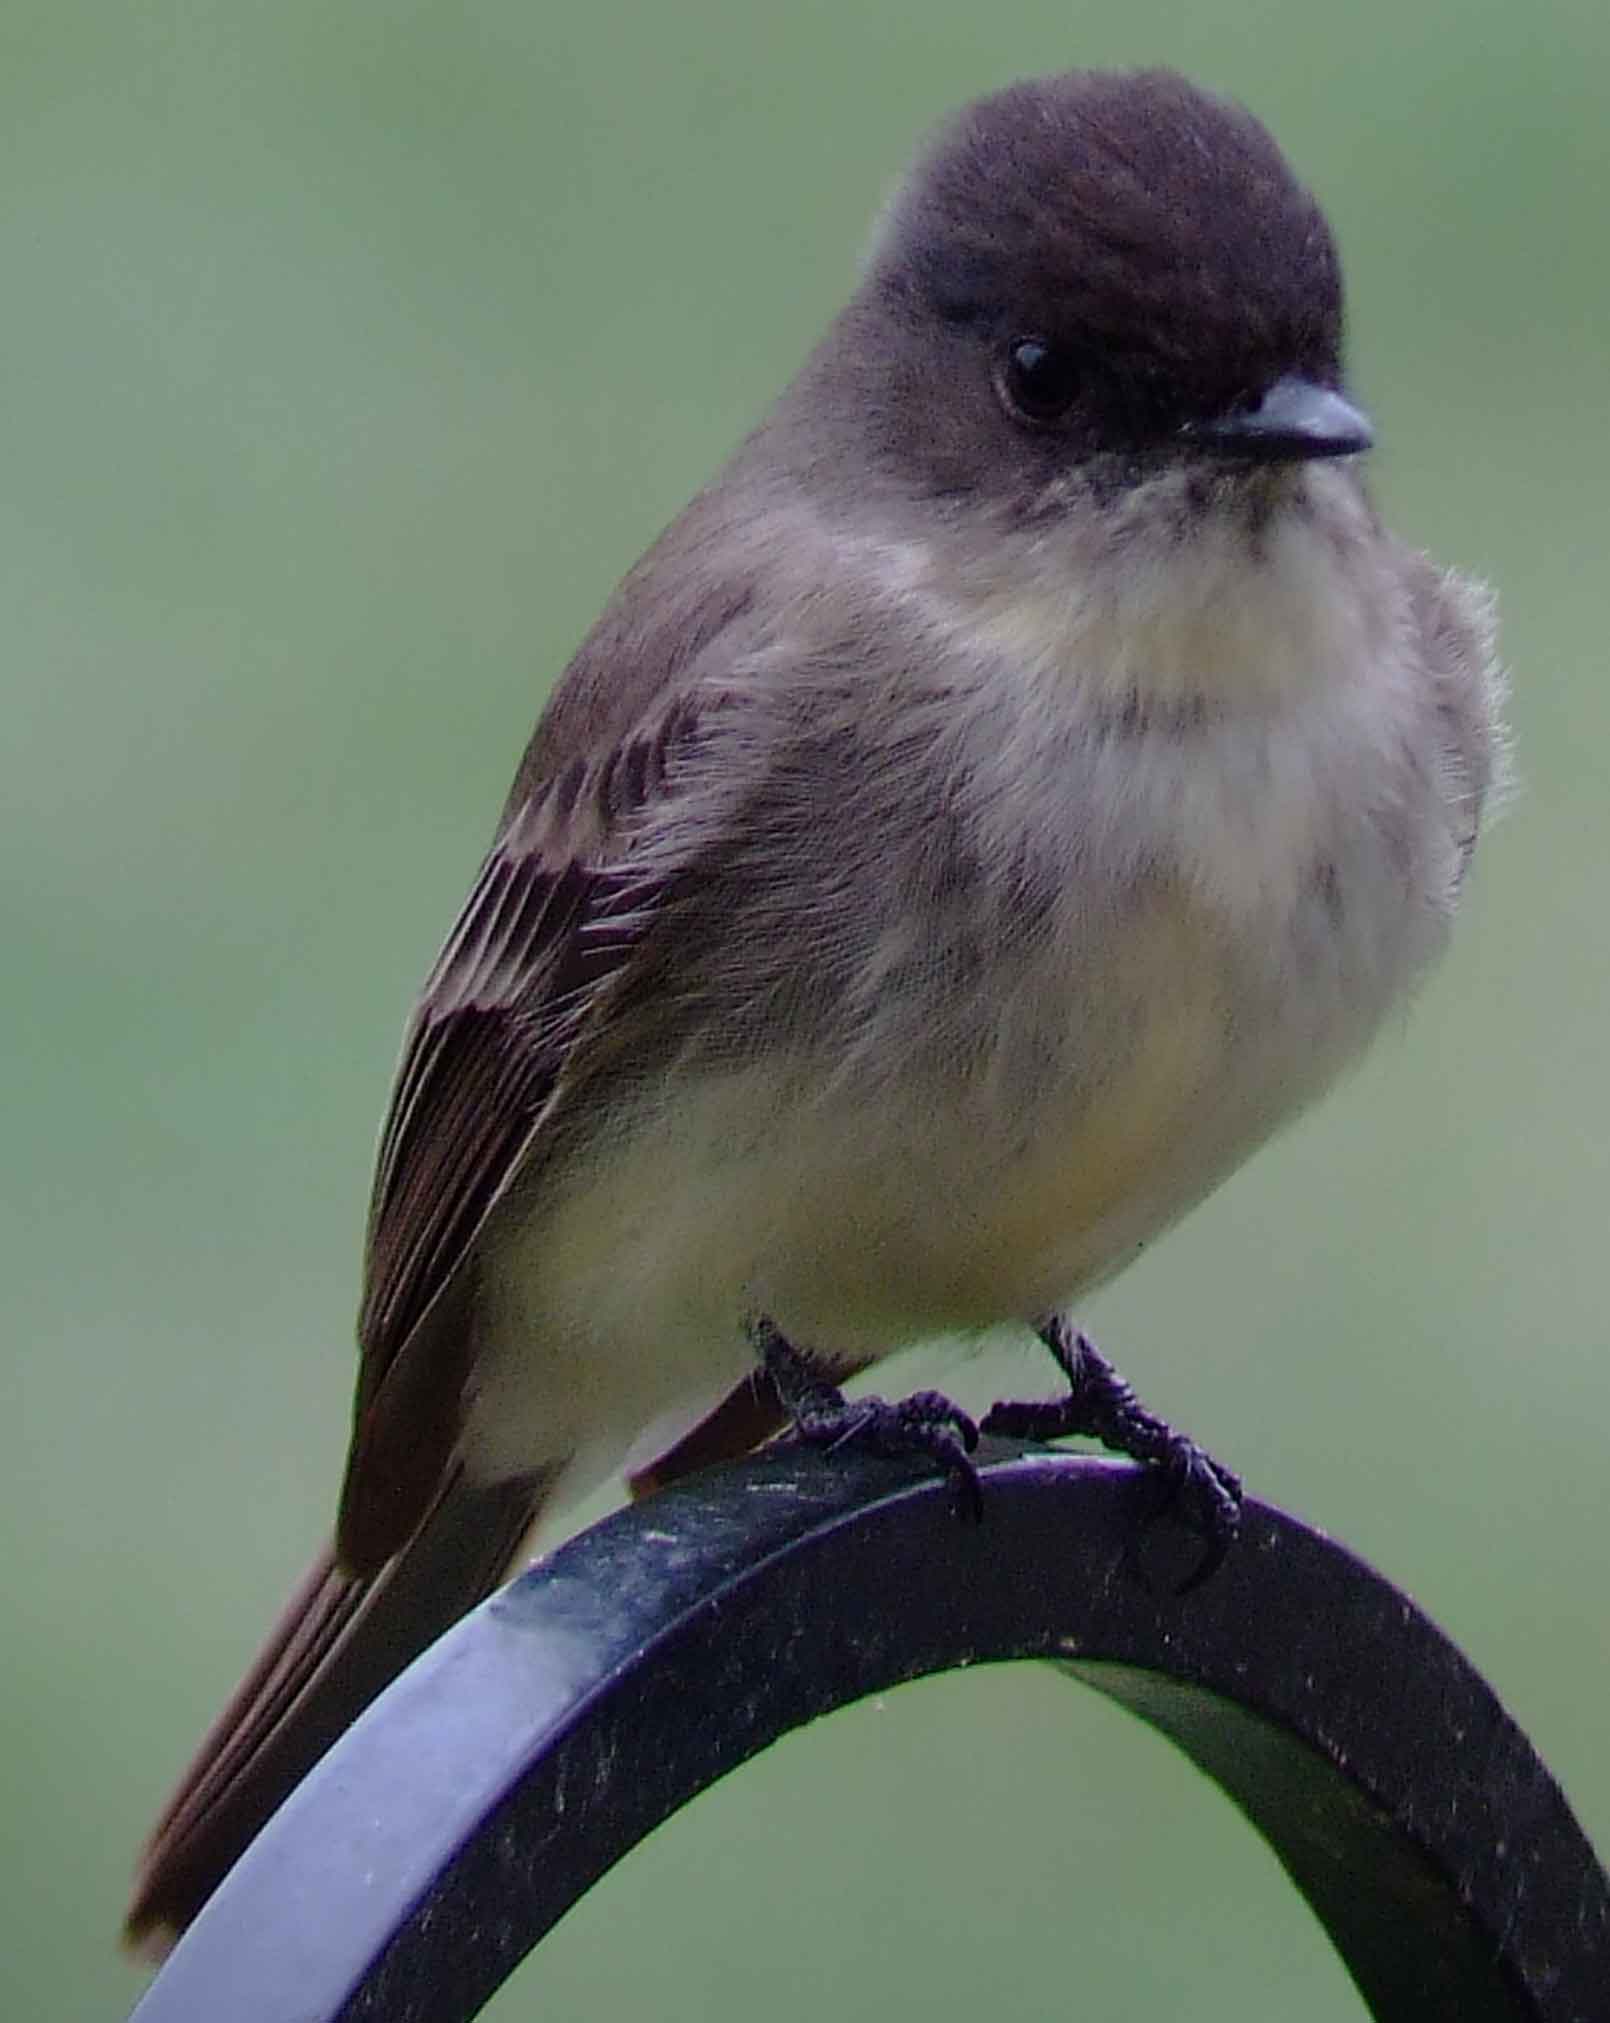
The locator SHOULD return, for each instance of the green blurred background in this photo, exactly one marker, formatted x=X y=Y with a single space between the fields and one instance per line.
x=350 y=354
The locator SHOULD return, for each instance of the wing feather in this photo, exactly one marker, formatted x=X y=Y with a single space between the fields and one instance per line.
x=553 y=918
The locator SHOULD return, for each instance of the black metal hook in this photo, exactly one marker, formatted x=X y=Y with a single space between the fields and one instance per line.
x=558 y=1723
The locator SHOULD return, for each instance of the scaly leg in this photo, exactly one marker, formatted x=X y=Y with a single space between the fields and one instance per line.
x=1099 y=1403
x=925 y=1423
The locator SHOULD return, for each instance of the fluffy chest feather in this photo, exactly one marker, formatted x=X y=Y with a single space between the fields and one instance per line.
x=1214 y=780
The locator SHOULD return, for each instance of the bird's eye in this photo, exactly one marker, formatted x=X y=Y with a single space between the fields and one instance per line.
x=1038 y=381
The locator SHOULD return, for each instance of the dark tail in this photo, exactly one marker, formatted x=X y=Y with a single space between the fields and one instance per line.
x=341 y=1641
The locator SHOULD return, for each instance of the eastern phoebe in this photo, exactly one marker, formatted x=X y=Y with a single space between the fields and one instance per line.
x=1023 y=779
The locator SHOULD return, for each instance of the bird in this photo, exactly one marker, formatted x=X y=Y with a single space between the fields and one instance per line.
x=1023 y=779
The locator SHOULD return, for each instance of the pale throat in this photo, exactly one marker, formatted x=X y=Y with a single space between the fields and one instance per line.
x=1202 y=692
x=1158 y=605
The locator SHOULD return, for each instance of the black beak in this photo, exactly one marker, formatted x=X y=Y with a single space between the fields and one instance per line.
x=1295 y=419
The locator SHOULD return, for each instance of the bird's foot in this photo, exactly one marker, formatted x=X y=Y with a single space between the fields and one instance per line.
x=925 y=1423
x=1191 y=1485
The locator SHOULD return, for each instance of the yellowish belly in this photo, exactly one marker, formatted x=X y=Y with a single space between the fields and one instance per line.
x=960 y=1204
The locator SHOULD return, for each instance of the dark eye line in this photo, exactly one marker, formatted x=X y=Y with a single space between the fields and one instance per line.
x=1043 y=381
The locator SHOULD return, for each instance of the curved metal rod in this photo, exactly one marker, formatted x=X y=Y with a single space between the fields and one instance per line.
x=522 y=1755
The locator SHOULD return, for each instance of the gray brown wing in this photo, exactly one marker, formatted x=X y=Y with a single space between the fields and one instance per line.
x=554 y=915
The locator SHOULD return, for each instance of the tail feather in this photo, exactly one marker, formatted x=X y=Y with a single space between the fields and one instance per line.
x=341 y=1640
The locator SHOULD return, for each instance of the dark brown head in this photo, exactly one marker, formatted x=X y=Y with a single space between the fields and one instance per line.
x=1113 y=274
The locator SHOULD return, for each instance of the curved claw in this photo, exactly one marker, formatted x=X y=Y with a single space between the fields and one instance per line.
x=1189 y=1483
x=925 y=1423
x=1205 y=1496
